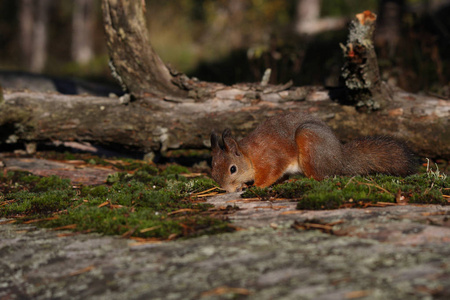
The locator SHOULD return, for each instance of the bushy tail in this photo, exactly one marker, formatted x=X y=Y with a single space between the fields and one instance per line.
x=378 y=155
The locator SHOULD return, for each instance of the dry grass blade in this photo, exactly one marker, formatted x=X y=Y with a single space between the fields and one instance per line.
x=103 y=204
x=327 y=228
x=6 y=202
x=33 y=221
x=383 y=204
x=377 y=186
x=292 y=212
x=245 y=200
x=144 y=241
x=183 y=210
x=149 y=229
x=129 y=233
x=357 y=294
x=81 y=271
x=71 y=226
x=8 y=222
x=225 y=290
x=207 y=193
x=113 y=206
x=192 y=175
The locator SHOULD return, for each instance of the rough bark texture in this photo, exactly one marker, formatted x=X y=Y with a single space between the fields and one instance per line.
x=134 y=62
x=155 y=124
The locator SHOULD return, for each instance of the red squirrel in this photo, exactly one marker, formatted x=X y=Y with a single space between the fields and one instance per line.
x=296 y=143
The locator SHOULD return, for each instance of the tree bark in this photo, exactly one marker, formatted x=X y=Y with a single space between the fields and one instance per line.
x=156 y=125
x=134 y=61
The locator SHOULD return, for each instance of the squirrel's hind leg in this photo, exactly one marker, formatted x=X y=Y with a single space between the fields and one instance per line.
x=320 y=152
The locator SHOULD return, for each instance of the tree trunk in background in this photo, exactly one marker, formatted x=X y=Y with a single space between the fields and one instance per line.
x=26 y=20
x=134 y=62
x=40 y=36
x=82 y=27
x=388 y=32
x=309 y=22
x=33 y=33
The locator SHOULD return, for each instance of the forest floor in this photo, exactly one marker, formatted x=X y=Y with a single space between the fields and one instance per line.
x=277 y=252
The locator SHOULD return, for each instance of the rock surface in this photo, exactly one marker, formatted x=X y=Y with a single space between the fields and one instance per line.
x=393 y=252
x=398 y=252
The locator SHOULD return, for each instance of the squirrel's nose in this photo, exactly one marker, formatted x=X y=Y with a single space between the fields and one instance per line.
x=239 y=189
x=232 y=189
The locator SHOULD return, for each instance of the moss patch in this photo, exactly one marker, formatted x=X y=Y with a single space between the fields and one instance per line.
x=378 y=190
x=149 y=203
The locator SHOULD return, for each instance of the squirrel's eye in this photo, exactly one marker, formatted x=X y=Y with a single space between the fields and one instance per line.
x=233 y=169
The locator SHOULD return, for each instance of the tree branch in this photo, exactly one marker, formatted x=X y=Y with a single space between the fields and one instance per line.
x=141 y=70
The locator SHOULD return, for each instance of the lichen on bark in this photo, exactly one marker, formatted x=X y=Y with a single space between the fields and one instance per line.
x=360 y=71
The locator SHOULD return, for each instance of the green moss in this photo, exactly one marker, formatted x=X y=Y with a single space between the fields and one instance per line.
x=256 y=192
x=36 y=204
x=100 y=191
x=148 y=203
x=51 y=183
x=201 y=184
x=337 y=192
x=175 y=169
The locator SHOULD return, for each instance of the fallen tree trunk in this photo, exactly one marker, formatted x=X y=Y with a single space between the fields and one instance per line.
x=155 y=124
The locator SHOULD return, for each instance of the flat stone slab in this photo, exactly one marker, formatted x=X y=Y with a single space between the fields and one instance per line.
x=398 y=224
x=385 y=254
x=393 y=252
x=76 y=171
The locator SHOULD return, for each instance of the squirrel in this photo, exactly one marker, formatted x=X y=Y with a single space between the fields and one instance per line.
x=298 y=143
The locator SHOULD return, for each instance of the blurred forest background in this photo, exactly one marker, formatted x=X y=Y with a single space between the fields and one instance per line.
x=233 y=41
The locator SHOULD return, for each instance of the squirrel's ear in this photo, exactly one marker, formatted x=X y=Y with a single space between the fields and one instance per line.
x=215 y=142
x=230 y=143
x=226 y=133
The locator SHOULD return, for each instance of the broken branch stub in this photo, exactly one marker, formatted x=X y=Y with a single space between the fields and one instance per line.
x=360 y=71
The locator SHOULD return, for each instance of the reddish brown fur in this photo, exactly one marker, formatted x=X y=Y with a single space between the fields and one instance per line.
x=269 y=164
x=305 y=142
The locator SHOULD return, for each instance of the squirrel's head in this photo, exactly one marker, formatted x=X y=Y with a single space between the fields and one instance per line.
x=231 y=169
